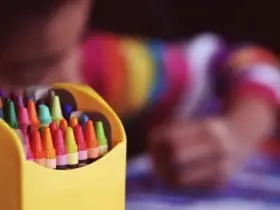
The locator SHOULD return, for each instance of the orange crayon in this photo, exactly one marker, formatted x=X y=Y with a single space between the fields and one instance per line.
x=31 y=107
x=63 y=125
x=37 y=148
x=73 y=122
x=91 y=141
x=49 y=148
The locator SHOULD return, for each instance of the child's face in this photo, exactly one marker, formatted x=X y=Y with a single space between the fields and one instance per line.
x=36 y=44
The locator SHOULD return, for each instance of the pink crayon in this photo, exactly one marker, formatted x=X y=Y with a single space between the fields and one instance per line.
x=23 y=119
x=61 y=153
x=53 y=127
x=82 y=146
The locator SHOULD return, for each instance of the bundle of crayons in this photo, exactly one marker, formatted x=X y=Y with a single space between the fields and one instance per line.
x=54 y=136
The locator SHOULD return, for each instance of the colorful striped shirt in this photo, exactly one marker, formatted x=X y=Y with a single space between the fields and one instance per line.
x=180 y=80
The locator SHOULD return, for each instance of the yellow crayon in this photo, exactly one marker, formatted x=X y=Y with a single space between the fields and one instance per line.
x=71 y=148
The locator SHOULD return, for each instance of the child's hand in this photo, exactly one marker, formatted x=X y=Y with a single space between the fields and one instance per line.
x=196 y=155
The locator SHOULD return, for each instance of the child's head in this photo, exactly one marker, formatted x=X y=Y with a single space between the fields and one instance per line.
x=37 y=35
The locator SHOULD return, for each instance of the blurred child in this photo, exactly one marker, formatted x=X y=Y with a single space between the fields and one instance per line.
x=210 y=105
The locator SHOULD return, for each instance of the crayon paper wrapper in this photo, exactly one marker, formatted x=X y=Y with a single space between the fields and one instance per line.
x=83 y=155
x=61 y=160
x=51 y=163
x=72 y=158
x=93 y=153
x=103 y=149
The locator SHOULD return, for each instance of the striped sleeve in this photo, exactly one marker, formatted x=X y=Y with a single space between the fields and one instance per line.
x=255 y=72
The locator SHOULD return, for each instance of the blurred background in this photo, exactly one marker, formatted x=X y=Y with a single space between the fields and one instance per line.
x=256 y=21
x=235 y=20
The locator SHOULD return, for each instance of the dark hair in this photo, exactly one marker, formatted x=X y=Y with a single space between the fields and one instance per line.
x=30 y=7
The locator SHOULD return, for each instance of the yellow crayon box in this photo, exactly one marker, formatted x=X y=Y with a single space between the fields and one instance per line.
x=101 y=185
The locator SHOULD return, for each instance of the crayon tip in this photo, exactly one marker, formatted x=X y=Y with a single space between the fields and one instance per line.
x=67 y=111
x=63 y=125
x=56 y=109
x=10 y=114
x=29 y=154
x=90 y=135
x=73 y=122
x=44 y=115
x=100 y=133
x=83 y=120
x=53 y=128
x=33 y=113
x=2 y=94
x=59 y=143
x=24 y=120
x=71 y=145
x=36 y=145
x=80 y=139
x=31 y=129
x=48 y=144
x=19 y=102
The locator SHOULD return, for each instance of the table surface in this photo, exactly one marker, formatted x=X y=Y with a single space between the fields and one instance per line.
x=256 y=187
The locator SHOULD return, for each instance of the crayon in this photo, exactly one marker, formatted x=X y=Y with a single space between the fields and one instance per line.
x=31 y=128
x=63 y=125
x=33 y=113
x=82 y=147
x=19 y=103
x=101 y=137
x=53 y=128
x=10 y=114
x=38 y=103
x=49 y=148
x=28 y=151
x=3 y=95
x=67 y=111
x=37 y=148
x=73 y=122
x=83 y=120
x=91 y=141
x=82 y=117
x=44 y=116
x=71 y=148
x=23 y=119
x=13 y=96
x=56 y=110
x=61 y=153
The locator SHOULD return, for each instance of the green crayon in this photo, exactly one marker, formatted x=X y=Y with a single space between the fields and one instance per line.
x=10 y=115
x=103 y=141
x=57 y=115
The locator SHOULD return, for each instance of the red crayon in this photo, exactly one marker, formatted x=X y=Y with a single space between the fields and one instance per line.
x=28 y=151
x=37 y=148
x=92 y=142
x=53 y=128
x=61 y=153
x=82 y=146
x=23 y=119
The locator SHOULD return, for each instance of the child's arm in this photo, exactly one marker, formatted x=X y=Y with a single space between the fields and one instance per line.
x=207 y=152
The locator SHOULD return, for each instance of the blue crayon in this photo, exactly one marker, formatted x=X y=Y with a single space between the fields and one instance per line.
x=67 y=111
x=83 y=120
